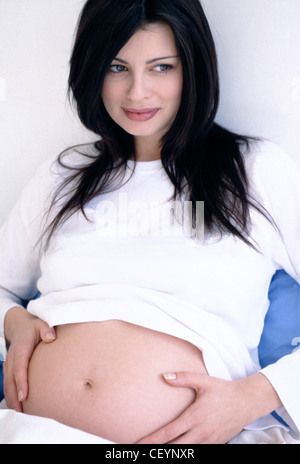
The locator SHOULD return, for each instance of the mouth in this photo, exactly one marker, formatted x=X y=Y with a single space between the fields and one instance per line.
x=141 y=115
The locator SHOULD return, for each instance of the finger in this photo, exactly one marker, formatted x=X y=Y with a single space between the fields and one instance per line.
x=186 y=379
x=167 y=434
x=47 y=334
x=22 y=357
x=10 y=390
x=190 y=438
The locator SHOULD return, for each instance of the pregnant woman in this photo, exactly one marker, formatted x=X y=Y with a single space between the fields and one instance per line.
x=151 y=308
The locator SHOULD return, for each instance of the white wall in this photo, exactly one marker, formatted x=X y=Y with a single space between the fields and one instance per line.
x=258 y=42
x=36 y=120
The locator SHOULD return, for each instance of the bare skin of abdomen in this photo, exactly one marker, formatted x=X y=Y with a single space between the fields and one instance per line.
x=105 y=378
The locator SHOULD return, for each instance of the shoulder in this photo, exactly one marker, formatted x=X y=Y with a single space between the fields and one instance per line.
x=273 y=175
x=78 y=156
x=266 y=156
x=51 y=174
x=269 y=163
x=56 y=168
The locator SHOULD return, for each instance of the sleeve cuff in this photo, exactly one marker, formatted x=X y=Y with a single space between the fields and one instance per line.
x=285 y=378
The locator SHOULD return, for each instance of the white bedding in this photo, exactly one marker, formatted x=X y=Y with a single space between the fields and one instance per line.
x=16 y=428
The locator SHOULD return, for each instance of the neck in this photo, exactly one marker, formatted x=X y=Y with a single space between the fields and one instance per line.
x=146 y=149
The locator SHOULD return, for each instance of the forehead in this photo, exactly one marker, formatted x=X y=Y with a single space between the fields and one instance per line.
x=152 y=40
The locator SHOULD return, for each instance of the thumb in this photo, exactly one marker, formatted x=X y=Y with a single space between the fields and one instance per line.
x=185 y=379
x=47 y=333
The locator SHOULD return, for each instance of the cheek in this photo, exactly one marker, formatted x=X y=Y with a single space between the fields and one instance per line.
x=110 y=93
x=172 y=91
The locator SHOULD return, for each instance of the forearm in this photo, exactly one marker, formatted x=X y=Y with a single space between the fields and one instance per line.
x=258 y=396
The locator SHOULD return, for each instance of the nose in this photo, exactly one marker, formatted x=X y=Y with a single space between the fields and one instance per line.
x=139 y=88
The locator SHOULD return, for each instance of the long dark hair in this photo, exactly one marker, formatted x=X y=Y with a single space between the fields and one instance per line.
x=195 y=149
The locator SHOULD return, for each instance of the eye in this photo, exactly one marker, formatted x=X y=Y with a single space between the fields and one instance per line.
x=163 y=68
x=117 y=68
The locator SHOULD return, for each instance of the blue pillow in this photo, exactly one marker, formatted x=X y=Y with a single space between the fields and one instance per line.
x=281 y=335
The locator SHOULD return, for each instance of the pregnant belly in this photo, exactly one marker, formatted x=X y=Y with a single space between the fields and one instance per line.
x=105 y=378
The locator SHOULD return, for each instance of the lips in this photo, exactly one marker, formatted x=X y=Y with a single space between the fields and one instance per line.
x=136 y=114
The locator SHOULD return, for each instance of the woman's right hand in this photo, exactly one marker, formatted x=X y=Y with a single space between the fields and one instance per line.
x=23 y=333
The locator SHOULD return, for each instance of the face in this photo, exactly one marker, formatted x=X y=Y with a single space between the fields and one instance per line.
x=142 y=89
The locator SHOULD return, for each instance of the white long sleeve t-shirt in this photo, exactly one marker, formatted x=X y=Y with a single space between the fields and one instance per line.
x=131 y=262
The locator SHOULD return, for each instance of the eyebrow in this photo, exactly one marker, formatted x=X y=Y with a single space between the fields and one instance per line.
x=150 y=61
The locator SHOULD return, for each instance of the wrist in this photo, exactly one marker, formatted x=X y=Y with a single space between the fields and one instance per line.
x=260 y=396
x=14 y=314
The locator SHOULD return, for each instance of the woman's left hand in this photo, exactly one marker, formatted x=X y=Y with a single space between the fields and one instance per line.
x=220 y=411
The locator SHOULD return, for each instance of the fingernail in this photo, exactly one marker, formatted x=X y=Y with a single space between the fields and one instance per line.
x=50 y=336
x=170 y=376
x=20 y=396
